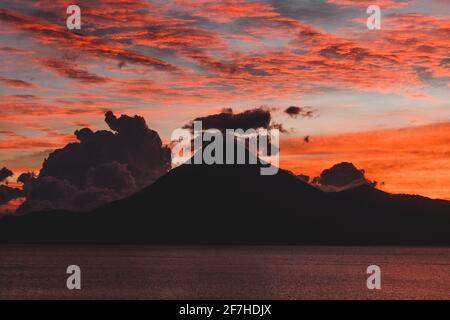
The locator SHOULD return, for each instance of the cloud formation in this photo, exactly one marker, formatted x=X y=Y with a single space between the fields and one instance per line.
x=259 y=118
x=341 y=176
x=8 y=193
x=103 y=166
x=305 y=112
x=176 y=59
x=15 y=83
x=66 y=69
x=409 y=160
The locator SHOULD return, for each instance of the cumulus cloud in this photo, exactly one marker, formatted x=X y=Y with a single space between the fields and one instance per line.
x=102 y=167
x=341 y=176
x=113 y=175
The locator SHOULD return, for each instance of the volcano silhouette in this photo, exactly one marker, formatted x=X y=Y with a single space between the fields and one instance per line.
x=236 y=205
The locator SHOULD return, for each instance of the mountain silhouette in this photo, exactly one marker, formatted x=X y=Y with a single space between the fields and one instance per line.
x=236 y=205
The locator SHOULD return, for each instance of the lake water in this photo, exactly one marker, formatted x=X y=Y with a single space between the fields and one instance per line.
x=147 y=272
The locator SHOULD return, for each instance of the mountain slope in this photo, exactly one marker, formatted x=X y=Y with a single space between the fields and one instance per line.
x=234 y=204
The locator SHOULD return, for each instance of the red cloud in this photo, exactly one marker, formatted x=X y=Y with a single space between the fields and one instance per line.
x=50 y=33
x=15 y=83
x=65 y=69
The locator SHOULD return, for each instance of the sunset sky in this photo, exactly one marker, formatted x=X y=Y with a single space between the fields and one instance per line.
x=381 y=97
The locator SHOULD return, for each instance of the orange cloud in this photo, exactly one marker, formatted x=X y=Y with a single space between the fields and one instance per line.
x=197 y=63
x=24 y=143
x=411 y=160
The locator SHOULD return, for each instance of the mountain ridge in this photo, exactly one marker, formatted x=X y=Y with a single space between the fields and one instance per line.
x=235 y=205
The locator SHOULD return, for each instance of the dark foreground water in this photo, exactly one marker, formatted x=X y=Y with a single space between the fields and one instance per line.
x=146 y=272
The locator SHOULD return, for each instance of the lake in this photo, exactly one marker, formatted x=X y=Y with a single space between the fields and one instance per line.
x=150 y=272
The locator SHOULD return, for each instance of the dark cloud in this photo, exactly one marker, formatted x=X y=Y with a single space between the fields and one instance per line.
x=259 y=118
x=122 y=64
x=305 y=112
x=5 y=173
x=341 y=176
x=102 y=167
x=26 y=177
x=8 y=193
x=113 y=175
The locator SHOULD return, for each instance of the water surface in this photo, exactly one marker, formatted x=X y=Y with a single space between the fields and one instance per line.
x=149 y=272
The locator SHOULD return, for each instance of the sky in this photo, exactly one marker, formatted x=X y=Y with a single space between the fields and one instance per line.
x=381 y=97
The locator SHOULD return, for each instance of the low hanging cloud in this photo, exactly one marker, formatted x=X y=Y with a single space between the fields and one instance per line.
x=341 y=176
x=5 y=173
x=102 y=167
x=259 y=118
x=7 y=193
x=304 y=112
